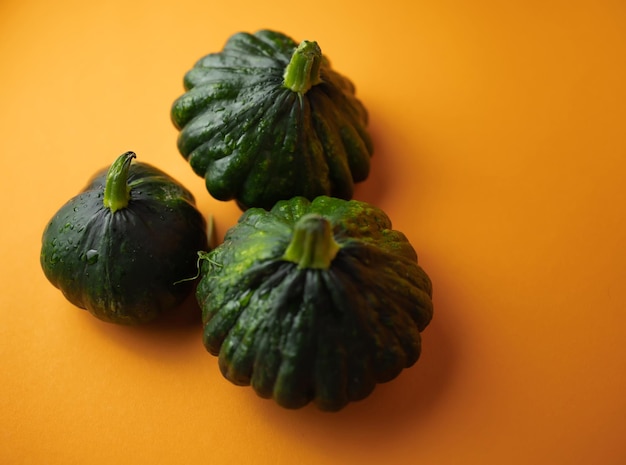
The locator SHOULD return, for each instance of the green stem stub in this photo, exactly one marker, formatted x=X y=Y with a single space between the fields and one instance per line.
x=303 y=71
x=312 y=243
x=116 y=189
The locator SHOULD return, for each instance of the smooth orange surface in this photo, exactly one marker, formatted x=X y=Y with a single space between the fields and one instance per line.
x=500 y=132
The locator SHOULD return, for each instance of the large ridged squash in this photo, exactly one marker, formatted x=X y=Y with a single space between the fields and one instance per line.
x=314 y=301
x=267 y=119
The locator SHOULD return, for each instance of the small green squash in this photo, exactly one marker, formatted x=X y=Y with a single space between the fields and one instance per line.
x=124 y=247
x=314 y=301
x=267 y=119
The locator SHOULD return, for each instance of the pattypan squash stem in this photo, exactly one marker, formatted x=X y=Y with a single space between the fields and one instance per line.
x=303 y=71
x=312 y=243
x=116 y=189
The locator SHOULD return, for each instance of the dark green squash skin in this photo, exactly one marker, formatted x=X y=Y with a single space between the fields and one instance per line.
x=321 y=335
x=256 y=141
x=123 y=267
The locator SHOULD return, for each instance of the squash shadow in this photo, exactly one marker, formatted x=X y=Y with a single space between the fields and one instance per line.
x=373 y=189
x=166 y=338
x=391 y=150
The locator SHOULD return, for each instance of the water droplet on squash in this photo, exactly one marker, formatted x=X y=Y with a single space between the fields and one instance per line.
x=91 y=256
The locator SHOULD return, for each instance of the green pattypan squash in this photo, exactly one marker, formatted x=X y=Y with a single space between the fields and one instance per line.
x=267 y=119
x=314 y=301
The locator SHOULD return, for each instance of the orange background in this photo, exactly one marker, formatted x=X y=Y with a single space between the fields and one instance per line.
x=500 y=132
